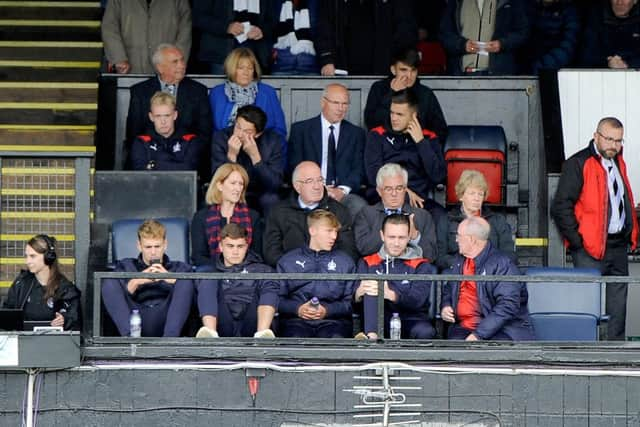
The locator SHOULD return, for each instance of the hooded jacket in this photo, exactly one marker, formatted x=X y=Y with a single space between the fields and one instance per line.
x=413 y=295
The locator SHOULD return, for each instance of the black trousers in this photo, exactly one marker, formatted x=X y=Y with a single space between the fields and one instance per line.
x=614 y=263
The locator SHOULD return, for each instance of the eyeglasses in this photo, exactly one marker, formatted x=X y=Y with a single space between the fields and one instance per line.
x=610 y=140
x=310 y=181
x=396 y=189
x=337 y=103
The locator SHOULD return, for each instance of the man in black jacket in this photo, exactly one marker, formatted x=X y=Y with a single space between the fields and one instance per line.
x=404 y=74
x=194 y=112
x=237 y=307
x=286 y=226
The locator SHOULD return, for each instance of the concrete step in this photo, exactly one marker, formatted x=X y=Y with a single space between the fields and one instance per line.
x=48 y=92
x=48 y=72
x=40 y=51
x=51 y=9
x=63 y=113
x=72 y=30
x=67 y=135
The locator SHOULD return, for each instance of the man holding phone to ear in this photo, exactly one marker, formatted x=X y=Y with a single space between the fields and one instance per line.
x=164 y=304
x=411 y=146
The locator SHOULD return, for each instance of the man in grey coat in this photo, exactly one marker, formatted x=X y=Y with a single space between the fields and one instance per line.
x=391 y=185
x=133 y=29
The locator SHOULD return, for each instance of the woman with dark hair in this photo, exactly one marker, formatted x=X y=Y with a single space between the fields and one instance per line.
x=226 y=203
x=42 y=291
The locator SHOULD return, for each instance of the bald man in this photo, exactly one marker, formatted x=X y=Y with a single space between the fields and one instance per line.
x=335 y=144
x=484 y=310
x=286 y=225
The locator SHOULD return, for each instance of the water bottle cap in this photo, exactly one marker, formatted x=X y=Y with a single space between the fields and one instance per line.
x=315 y=300
x=135 y=311
x=396 y=315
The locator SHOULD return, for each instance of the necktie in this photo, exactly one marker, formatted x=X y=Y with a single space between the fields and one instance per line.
x=331 y=158
x=617 y=194
x=469 y=267
x=171 y=89
x=388 y=211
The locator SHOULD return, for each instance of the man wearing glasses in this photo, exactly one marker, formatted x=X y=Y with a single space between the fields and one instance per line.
x=286 y=225
x=391 y=185
x=595 y=213
x=333 y=143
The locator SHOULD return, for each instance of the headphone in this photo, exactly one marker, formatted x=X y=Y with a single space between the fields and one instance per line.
x=50 y=255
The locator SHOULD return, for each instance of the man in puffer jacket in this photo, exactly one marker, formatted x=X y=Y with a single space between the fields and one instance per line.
x=408 y=298
x=317 y=308
x=237 y=307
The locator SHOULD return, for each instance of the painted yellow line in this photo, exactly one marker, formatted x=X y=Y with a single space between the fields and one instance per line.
x=53 y=44
x=47 y=85
x=79 y=4
x=36 y=192
x=48 y=106
x=42 y=171
x=38 y=171
x=49 y=148
x=49 y=23
x=26 y=237
x=74 y=128
x=5 y=283
x=49 y=216
x=532 y=241
x=50 y=64
x=18 y=261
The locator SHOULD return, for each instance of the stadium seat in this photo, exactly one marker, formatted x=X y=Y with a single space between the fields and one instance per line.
x=124 y=237
x=565 y=311
x=482 y=148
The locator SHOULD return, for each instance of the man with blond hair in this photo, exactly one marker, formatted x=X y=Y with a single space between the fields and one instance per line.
x=163 y=304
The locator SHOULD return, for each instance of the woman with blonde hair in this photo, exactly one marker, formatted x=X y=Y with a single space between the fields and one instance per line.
x=225 y=204
x=472 y=190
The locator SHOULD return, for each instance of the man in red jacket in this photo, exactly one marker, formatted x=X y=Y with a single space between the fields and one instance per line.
x=595 y=213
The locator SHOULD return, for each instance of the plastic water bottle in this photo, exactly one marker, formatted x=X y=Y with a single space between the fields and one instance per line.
x=315 y=302
x=135 y=324
x=395 y=327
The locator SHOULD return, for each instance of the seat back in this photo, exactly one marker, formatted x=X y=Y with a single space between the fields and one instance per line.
x=124 y=238
x=565 y=326
x=571 y=296
x=482 y=148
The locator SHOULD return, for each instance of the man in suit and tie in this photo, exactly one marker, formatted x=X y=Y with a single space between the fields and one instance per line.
x=194 y=114
x=333 y=143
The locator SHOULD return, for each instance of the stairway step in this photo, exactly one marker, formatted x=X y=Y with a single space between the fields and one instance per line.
x=49 y=74
x=48 y=95
x=46 y=135
x=52 y=10
x=48 y=113
x=50 y=53
x=53 y=33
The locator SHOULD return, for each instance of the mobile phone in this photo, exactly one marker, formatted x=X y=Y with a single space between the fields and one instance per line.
x=156 y=261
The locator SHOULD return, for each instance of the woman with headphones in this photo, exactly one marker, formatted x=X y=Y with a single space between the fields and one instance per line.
x=42 y=291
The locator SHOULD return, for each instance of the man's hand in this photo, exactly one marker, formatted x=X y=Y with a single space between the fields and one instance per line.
x=399 y=83
x=471 y=337
x=413 y=231
x=255 y=33
x=415 y=201
x=58 y=320
x=159 y=268
x=389 y=294
x=235 y=145
x=415 y=130
x=235 y=28
x=250 y=147
x=307 y=312
x=616 y=62
x=335 y=193
x=447 y=314
x=471 y=47
x=494 y=46
x=328 y=70
x=367 y=287
x=123 y=67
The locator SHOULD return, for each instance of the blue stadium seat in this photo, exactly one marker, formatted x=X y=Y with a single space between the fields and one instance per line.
x=565 y=326
x=565 y=311
x=124 y=238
